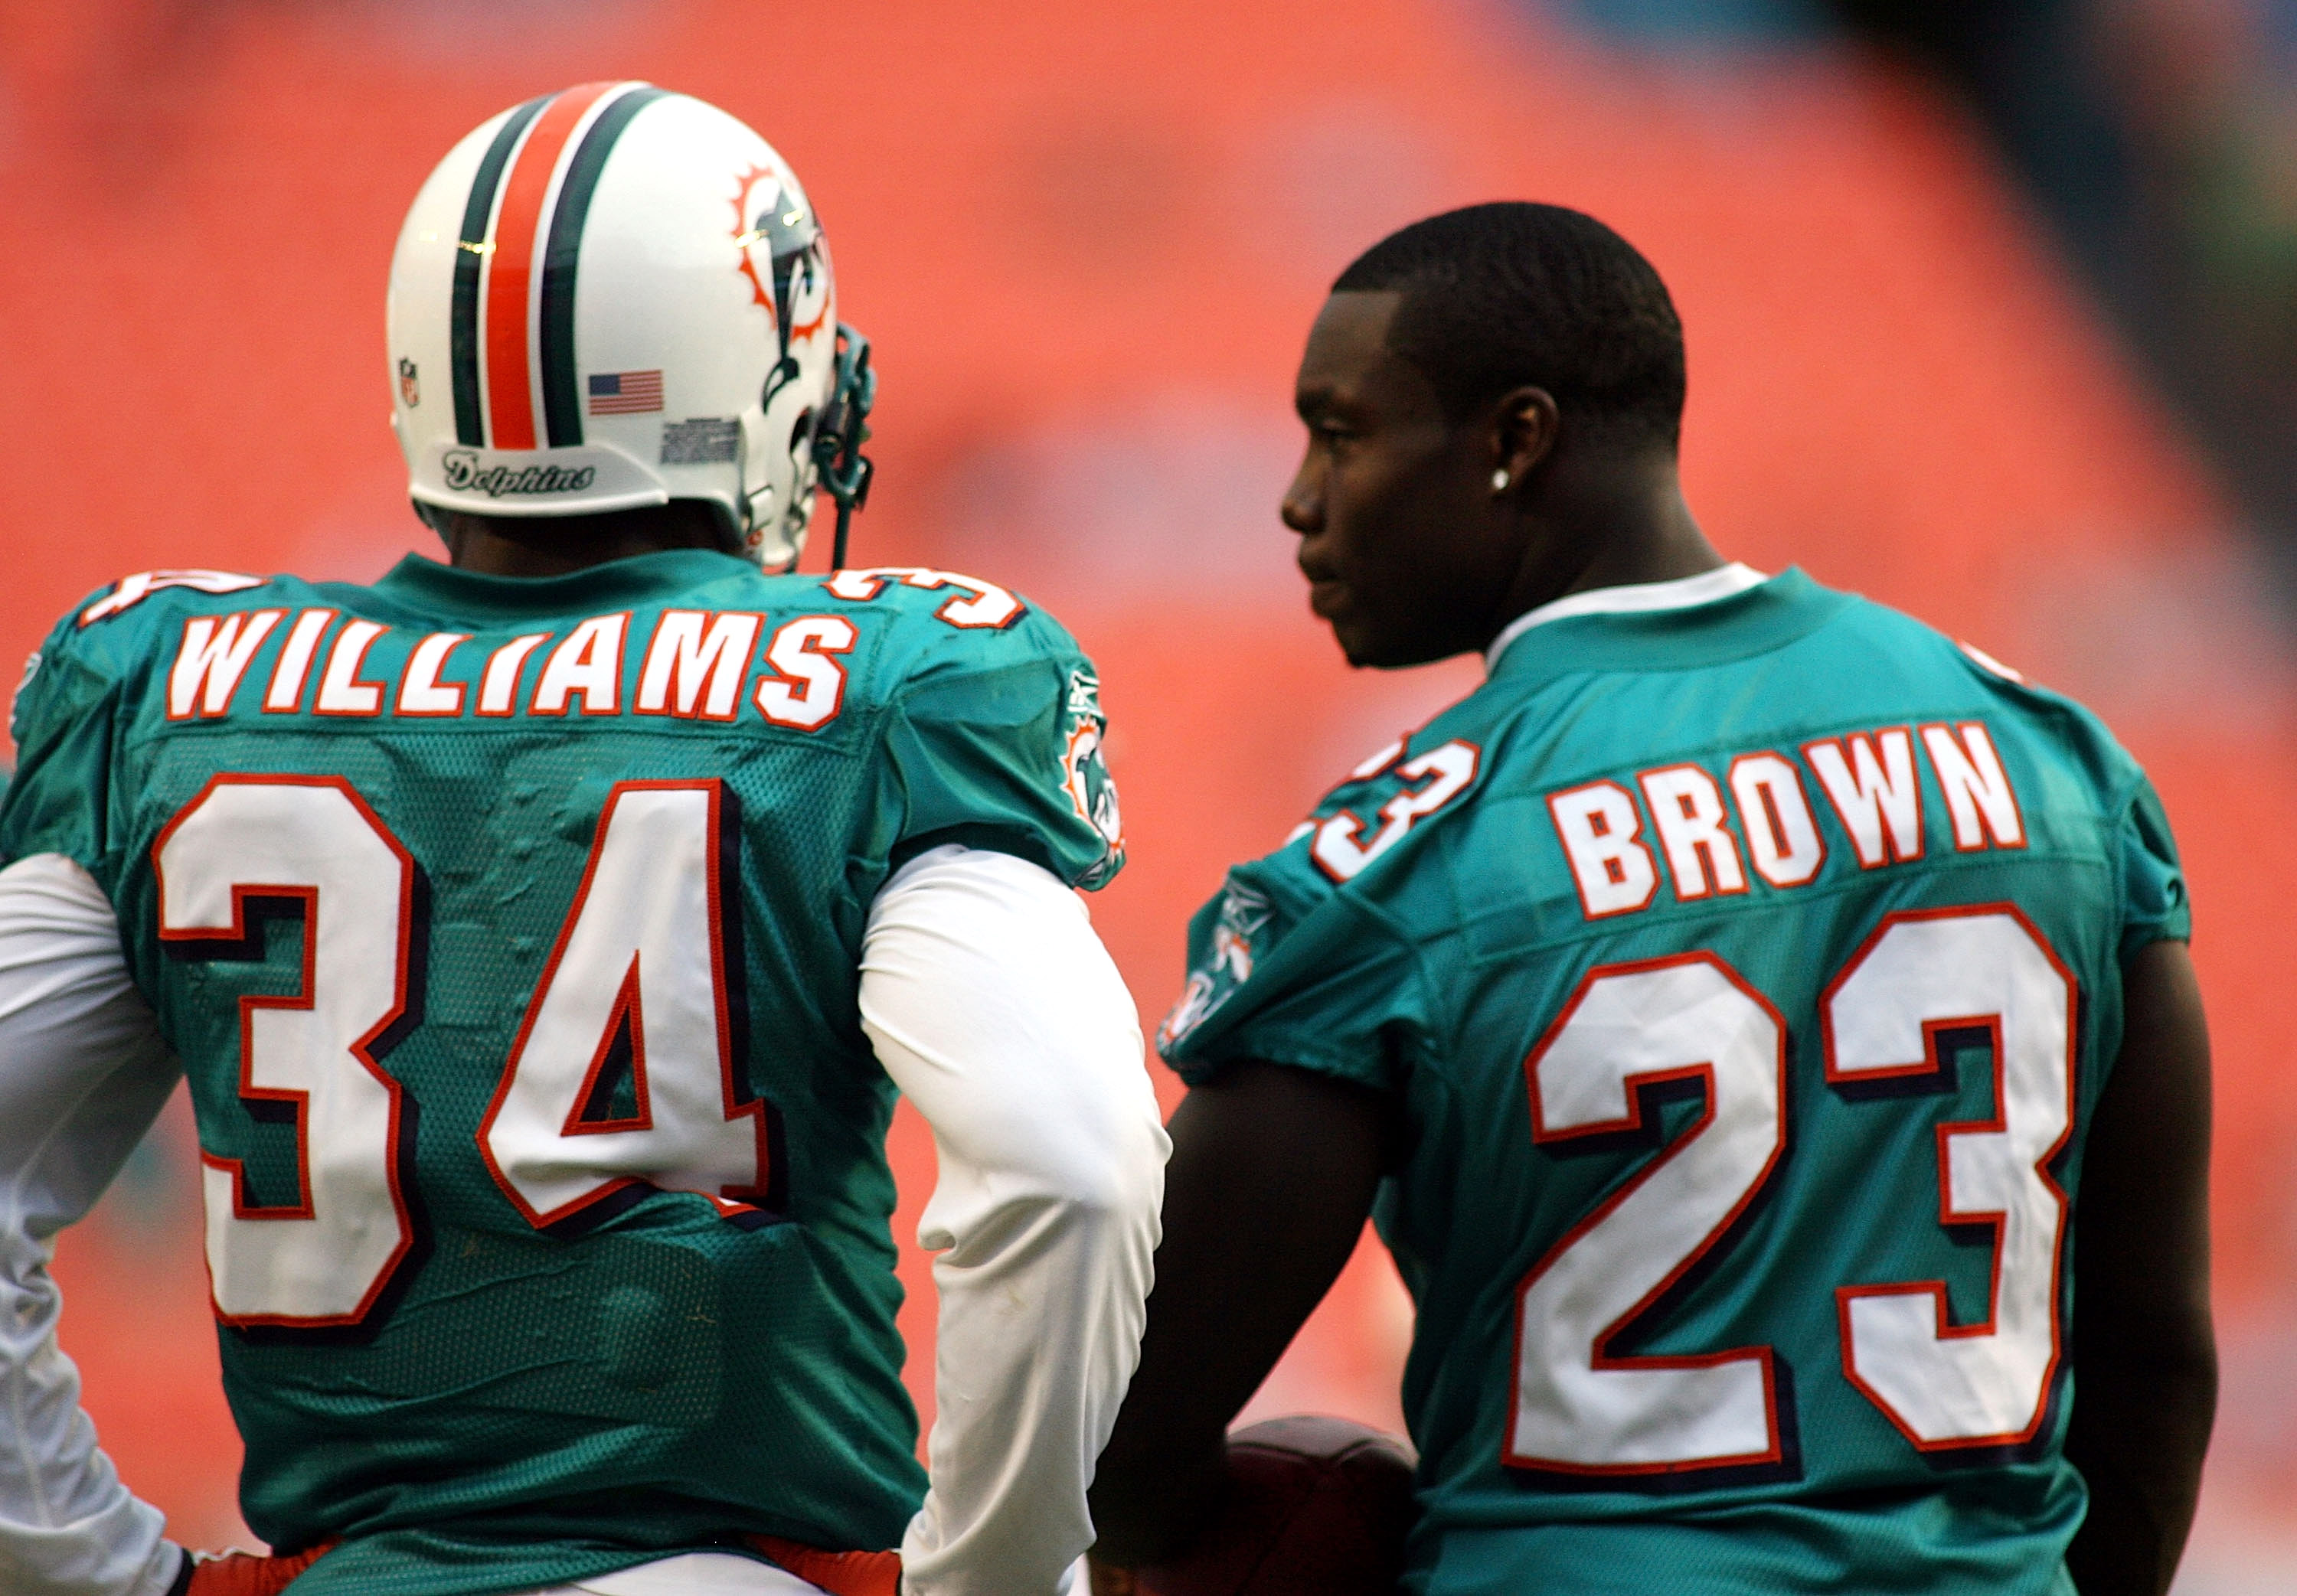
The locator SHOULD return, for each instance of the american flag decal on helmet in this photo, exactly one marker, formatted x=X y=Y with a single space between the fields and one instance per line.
x=513 y=329
x=625 y=392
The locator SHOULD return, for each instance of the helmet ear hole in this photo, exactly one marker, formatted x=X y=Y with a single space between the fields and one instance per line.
x=800 y=443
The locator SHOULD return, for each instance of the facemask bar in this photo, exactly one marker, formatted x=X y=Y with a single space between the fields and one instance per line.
x=843 y=428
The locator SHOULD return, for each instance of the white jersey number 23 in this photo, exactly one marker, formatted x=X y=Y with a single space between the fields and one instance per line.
x=1581 y=1408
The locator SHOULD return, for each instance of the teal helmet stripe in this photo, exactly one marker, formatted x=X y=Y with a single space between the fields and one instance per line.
x=462 y=323
x=562 y=388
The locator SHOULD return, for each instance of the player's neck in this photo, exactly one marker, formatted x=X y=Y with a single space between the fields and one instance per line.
x=556 y=547
x=1620 y=527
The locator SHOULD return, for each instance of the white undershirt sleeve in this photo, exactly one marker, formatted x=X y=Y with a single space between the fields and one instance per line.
x=995 y=1008
x=83 y=1073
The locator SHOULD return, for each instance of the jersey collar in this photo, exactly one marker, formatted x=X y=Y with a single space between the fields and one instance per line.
x=426 y=585
x=1755 y=620
x=1632 y=598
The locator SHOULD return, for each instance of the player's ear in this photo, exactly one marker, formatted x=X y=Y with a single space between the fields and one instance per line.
x=1524 y=425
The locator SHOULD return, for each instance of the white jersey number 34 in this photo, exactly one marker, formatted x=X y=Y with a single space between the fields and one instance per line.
x=636 y=990
x=1580 y=1408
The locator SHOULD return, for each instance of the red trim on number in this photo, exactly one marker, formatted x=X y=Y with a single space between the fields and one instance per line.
x=1398 y=811
x=982 y=592
x=715 y=823
x=731 y=1199
x=1993 y=1219
x=511 y=265
x=534 y=1216
x=248 y=1007
x=925 y=579
x=359 y=1050
x=1350 y=830
x=627 y=1006
x=1598 y=1358
x=1381 y=759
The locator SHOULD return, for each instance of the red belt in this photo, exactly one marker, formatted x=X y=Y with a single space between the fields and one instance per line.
x=839 y=1573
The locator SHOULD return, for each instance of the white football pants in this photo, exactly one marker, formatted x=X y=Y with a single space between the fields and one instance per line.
x=695 y=1573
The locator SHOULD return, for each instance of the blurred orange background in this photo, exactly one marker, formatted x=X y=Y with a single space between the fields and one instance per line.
x=1087 y=242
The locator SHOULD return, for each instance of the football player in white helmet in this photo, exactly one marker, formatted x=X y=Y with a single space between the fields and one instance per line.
x=543 y=1110
x=572 y=338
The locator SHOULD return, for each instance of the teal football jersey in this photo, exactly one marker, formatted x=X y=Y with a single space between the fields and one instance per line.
x=508 y=933
x=1745 y=976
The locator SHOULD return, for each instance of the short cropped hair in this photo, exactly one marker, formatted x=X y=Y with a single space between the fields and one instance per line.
x=1513 y=294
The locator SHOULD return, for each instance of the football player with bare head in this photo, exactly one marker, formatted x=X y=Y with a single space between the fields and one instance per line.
x=1761 y=1028
x=1441 y=496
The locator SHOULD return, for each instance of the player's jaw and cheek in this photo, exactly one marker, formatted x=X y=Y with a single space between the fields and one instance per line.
x=1393 y=529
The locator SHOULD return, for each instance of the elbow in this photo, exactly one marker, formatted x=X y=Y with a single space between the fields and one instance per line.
x=2192 y=1361
x=1112 y=1181
x=2179 y=1385
x=1099 y=1185
x=2168 y=1368
x=2190 y=1369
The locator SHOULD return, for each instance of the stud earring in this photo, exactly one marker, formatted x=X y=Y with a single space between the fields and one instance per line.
x=1499 y=482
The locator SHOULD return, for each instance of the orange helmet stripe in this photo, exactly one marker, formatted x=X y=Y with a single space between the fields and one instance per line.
x=510 y=265
x=478 y=216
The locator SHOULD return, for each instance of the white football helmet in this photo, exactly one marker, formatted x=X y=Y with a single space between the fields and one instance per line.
x=616 y=296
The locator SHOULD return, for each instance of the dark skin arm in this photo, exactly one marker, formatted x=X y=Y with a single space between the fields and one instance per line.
x=1270 y=1182
x=2144 y=1360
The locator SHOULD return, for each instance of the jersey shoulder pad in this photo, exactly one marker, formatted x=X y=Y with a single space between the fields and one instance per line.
x=131 y=591
x=87 y=650
x=960 y=602
x=75 y=689
x=994 y=719
x=169 y=623
x=2050 y=725
x=1385 y=799
x=942 y=643
x=928 y=622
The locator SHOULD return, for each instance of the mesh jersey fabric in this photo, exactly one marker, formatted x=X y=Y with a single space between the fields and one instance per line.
x=1441 y=965
x=520 y=1407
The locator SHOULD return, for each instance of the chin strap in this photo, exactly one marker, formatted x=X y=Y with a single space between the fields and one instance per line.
x=843 y=428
